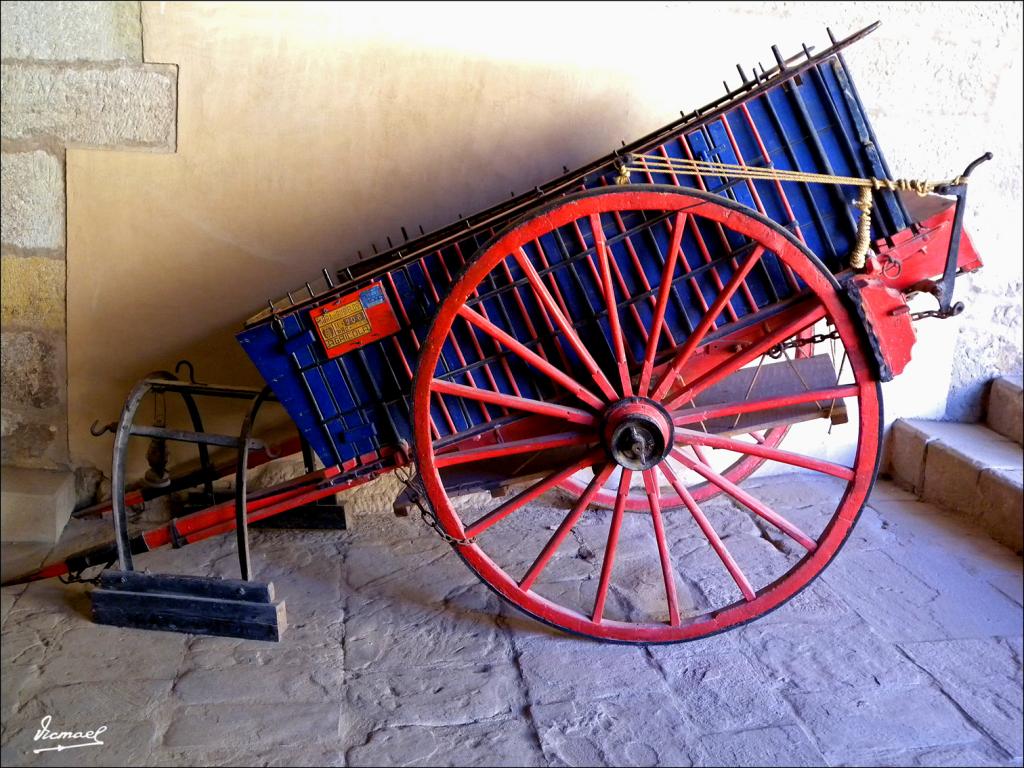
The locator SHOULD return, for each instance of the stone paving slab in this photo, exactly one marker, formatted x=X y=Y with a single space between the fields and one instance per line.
x=850 y=726
x=906 y=652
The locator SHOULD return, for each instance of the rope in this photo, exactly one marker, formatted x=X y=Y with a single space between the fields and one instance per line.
x=709 y=168
x=858 y=254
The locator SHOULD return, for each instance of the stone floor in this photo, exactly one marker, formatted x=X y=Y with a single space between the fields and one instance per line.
x=906 y=652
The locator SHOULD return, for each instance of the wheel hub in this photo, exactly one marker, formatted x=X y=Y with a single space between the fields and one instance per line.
x=638 y=433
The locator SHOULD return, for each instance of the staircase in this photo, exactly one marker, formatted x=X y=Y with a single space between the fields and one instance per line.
x=973 y=470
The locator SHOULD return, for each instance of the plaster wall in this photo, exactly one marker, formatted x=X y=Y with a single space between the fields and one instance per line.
x=306 y=131
x=72 y=75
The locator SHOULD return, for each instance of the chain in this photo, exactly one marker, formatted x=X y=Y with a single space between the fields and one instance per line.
x=416 y=496
x=776 y=352
x=78 y=578
x=932 y=313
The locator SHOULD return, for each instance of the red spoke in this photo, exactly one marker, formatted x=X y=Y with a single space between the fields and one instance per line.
x=701 y=456
x=721 y=233
x=572 y=415
x=778 y=189
x=651 y=486
x=640 y=274
x=695 y=438
x=513 y=447
x=566 y=327
x=695 y=415
x=709 y=532
x=531 y=493
x=758 y=507
x=542 y=254
x=705 y=324
x=472 y=336
x=531 y=357
x=547 y=324
x=741 y=358
x=617 y=274
x=612 y=545
x=566 y=527
x=522 y=309
x=483 y=310
x=618 y=341
x=664 y=292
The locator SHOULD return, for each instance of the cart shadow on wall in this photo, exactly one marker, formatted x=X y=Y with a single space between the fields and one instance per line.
x=598 y=334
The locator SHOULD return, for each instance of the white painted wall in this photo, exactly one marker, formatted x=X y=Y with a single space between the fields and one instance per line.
x=307 y=130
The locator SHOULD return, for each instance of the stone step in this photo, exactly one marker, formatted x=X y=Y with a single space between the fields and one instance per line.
x=35 y=504
x=965 y=468
x=1006 y=407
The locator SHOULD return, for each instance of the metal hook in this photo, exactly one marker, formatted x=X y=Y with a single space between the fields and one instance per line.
x=970 y=168
x=191 y=371
x=111 y=427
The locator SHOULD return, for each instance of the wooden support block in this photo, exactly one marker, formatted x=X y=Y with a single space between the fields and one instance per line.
x=403 y=504
x=315 y=516
x=189 y=604
x=786 y=377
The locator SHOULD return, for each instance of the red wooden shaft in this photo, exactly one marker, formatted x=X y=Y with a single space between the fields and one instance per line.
x=618 y=341
x=611 y=546
x=787 y=457
x=516 y=502
x=664 y=291
x=513 y=447
x=566 y=527
x=749 y=501
x=566 y=327
x=651 y=487
x=709 y=532
x=705 y=324
x=572 y=415
x=681 y=418
x=813 y=314
x=531 y=357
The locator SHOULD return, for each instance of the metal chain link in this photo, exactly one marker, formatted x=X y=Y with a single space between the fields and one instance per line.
x=915 y=316
x=77 y=577
x=776 y=351
x=416 y=495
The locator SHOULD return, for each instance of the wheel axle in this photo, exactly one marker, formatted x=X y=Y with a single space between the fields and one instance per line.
x=638 y=433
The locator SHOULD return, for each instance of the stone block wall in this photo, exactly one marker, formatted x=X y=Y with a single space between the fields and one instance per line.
x=952 y=76
x=72 y=76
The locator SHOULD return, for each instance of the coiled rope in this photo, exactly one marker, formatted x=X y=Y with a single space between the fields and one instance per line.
x=858 y=255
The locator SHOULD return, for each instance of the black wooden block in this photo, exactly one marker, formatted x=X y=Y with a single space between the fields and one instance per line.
x=190 y=604
x=308 y=517
x=195 y=586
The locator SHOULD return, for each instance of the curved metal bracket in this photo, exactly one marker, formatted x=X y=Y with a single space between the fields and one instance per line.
x=95 y=430
x=117 y=473
x=191 y=371
x=241 y=484
x=943 y=288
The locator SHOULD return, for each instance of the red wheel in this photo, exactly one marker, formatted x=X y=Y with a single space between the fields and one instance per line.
x=636 y=410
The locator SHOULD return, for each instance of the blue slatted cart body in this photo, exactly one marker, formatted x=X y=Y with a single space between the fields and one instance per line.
x=355 y=407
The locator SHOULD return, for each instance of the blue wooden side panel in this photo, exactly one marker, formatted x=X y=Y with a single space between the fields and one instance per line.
x=351 y=407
